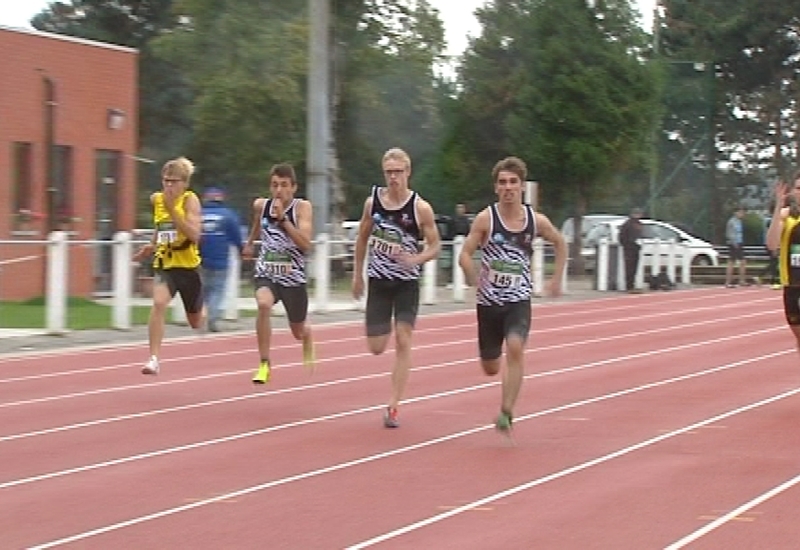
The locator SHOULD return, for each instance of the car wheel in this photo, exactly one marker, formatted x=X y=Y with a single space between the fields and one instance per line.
x=701 y=260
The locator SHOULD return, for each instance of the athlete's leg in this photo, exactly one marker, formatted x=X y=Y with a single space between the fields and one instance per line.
x=265 y=300
x=378 y=317
x=163 y=292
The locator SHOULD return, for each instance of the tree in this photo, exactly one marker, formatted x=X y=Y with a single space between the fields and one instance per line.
x=754 y=47
x=563 y=87
x=164 y=126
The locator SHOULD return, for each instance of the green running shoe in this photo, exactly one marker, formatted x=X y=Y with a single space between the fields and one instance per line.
x=503 y=422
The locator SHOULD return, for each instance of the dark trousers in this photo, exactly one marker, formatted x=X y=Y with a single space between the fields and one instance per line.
x=771 y=270
x=631 y=264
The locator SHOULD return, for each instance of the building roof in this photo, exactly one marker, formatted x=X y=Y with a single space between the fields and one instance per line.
x=54 y=36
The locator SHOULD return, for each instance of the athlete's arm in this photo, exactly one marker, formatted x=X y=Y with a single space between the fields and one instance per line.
x=147 y=249
x=300 y=233
x=364 y=230
x=477 y=236
x=546 y=229
x=778 y=215
x=427 y=224
x=255 y=227
x=190 y=223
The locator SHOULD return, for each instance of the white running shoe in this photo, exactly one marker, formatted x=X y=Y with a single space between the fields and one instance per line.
x=151 y=367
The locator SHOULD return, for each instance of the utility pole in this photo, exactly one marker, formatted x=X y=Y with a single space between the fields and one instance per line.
x=318 y=114
x=49 y=152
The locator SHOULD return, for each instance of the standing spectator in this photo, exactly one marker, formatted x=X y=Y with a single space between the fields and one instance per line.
x=461 y=222
x=734 y=236
x=220 y=231
x=630 y=234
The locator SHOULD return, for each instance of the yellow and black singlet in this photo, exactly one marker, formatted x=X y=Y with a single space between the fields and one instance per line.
x=173 y=248
x=790 y=251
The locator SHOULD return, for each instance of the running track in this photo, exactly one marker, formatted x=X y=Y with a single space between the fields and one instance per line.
x=664 y=420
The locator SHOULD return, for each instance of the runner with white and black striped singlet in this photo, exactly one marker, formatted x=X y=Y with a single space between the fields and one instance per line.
x=283 y=224
x=505 y=233
x=394 y=232
x=393 y=221
x=505 y=275
x=280 y=259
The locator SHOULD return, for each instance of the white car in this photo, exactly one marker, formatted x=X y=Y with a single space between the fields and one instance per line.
x=588 y=222
x=700 y=251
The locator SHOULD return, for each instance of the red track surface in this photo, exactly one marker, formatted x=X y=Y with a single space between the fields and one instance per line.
x=655 y=421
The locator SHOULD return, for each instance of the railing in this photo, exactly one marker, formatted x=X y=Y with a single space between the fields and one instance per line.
x=124 y=273
x=651 y=255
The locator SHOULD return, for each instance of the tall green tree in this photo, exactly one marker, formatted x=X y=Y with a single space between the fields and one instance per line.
x=564 y=87
x=755 y=50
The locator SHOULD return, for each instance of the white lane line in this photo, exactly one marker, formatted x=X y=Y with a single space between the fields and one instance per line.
x=733 y=514
x=568 y=471
x=467 y=389
x=600 y=304
x=402 y=450
x=145 y=414
x=534 y=334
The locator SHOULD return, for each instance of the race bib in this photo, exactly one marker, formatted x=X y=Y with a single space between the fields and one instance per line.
x=276 y=263
x=167 y=236
x=794 y=255
x=505 y=274
x=386 y=242
x=278 y=268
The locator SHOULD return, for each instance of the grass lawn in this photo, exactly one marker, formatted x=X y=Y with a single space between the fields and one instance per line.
x=82 y=314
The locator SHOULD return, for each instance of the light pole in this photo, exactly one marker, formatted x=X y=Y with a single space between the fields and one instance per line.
x=49 y=150
x=318 y=114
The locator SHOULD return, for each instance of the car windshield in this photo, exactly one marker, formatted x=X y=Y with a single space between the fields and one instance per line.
x=599 y=231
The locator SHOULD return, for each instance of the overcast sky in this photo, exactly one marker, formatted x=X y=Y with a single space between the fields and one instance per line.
x=457 y=16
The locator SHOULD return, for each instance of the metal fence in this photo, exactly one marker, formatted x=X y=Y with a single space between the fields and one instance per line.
x=121 y=285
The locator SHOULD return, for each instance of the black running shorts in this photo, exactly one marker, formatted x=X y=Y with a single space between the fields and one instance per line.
x=386 y=297
x=497 y=323
x=294 y=298
x=187 y=282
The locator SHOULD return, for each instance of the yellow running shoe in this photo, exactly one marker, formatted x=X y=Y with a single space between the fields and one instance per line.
x=309 y=354
x=262 y=374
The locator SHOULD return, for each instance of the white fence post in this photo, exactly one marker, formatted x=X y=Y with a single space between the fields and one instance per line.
x=686 y=266
x=671 y=247
x=621 y=267
x=655 y=266
x=122 y=274
x=57 y=282
x=232 y=284
x=429 y=282
x=601 y=265
x=458 y=273
x=638 y=281
x=537 y=267
x=322 y=273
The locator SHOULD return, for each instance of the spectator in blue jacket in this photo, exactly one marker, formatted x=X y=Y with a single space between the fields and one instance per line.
x=220 y=231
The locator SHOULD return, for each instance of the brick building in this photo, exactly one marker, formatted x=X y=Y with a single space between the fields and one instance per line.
x=68 y=143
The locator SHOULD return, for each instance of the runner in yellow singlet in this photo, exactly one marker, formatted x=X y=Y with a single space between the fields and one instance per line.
x=176 y=257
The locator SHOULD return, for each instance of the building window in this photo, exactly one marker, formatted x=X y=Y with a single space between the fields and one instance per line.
x=62 y=185
x=21 y=166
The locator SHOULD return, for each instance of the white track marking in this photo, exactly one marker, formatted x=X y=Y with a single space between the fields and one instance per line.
x=467 y=389
x=534 y=333
x=574 y=469
x=185 y=380
x=733 y=514
x=443 y=439
x=588 y=306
